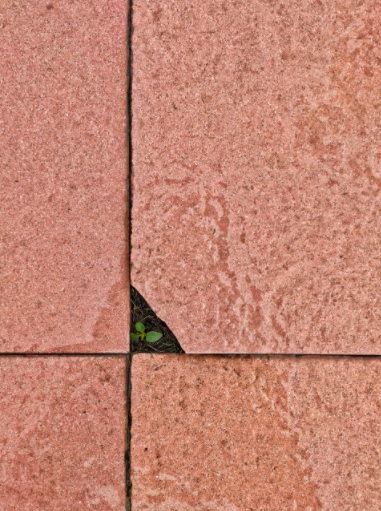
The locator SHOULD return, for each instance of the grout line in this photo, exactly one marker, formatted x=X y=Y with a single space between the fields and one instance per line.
x=296 y=355
x=127 y=457
x=129 y=233
x=129 y=142
x=227 y=355
x=42 y=354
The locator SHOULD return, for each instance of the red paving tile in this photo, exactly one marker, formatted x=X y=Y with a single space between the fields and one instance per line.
x=263 y=434
x=63 y=159
x=256 y=173
x=62 y=434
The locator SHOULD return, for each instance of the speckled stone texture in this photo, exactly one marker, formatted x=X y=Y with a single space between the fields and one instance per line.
x=62 y=434
x=63 y=170
x=257 y=173
x=255 y=434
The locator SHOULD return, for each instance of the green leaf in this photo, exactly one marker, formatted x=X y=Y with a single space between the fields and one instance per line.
x=140 y=327
x=134 y=337
x=153 y=336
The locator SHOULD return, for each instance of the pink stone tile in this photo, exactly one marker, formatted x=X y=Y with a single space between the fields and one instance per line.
x=256 y=173
x=63 y=160
x=255 y=434
x=62 y=434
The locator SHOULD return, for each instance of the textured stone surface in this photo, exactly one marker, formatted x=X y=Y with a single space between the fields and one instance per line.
x=63 y=168
x=62 y=434
x=250 y=434
x=256 y=173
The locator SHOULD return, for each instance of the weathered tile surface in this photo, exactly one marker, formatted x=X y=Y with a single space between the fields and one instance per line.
x=62 y=434
x=63 y=167
x=245 y=434
x=256 y=173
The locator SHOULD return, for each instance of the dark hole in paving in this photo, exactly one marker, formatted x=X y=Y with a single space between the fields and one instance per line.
x=141 y=312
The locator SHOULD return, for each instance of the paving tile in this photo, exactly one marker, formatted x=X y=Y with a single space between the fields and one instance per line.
x=256 y=173
x=63 y=160
x=255 y=433
x=62 y=434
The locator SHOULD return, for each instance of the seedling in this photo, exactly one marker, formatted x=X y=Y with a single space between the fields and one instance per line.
x=142 y=335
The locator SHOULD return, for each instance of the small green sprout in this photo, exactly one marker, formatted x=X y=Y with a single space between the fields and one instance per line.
x=142 y=335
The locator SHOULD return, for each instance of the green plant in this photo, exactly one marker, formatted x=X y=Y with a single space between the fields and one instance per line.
x=142 y=335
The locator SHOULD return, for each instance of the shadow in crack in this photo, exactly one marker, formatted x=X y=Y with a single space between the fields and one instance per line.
x=141 y=312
